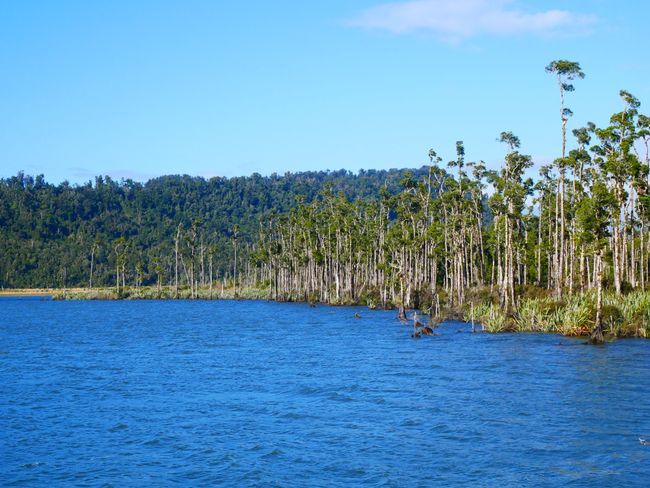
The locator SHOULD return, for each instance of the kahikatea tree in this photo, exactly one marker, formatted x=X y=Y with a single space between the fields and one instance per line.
x=565 y=72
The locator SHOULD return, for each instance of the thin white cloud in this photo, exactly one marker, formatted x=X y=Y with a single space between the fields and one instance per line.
x=457 y=20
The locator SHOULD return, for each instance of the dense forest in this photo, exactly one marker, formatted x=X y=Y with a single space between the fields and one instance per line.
x=565 y=248
x=96 y=233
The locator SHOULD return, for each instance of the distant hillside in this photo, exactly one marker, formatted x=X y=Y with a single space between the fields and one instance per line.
x=49 y=234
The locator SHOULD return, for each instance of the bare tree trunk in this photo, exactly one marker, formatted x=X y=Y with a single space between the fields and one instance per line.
x=597 y=333
x=178 y=237
x=92 y=262
x=539 y=245
x=210 y=273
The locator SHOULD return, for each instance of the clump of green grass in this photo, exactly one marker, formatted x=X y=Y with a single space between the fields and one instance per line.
x=97 y=294
x=537 y=315
x=633 y=318
x=479 y=311
x=622 y=315
x=490 y=316
x=576 y=318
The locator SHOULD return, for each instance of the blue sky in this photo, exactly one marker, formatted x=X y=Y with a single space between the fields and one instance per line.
x=139 y=88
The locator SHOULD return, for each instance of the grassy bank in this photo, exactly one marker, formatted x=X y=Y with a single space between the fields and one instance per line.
x=144 y=293
x=623 y=315
x=35 y=292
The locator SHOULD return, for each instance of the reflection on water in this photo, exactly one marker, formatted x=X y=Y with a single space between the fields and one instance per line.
x=255 y=393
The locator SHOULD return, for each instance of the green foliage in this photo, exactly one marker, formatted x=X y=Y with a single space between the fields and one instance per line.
x=47 y=232
x=594 y=216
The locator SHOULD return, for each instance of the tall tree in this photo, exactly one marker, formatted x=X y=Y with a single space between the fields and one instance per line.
x=565 y=72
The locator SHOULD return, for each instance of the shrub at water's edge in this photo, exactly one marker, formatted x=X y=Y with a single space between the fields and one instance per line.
x=623 y=315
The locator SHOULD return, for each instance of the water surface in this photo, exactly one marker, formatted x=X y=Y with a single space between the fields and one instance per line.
x=258 y=394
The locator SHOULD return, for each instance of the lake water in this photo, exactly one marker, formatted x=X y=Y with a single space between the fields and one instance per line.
x=265 y=394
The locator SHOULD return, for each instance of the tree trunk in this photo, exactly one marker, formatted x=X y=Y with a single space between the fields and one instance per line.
x=597 y=333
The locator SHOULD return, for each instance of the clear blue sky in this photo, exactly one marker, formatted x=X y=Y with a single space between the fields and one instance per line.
x=224 y=88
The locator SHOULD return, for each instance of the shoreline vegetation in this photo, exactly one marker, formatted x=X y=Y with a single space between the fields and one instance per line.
x=561 y=248
x=626 y=315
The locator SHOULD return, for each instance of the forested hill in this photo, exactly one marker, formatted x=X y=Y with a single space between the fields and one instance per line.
x=49 y=234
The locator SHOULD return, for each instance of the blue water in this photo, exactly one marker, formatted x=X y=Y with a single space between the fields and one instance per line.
x=258 y=394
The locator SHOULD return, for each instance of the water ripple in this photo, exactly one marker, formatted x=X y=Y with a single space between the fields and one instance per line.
x=266 y=394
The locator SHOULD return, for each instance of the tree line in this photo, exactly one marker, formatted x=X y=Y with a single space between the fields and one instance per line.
x=173 y=231
x=581 y=224
x=431 y=238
